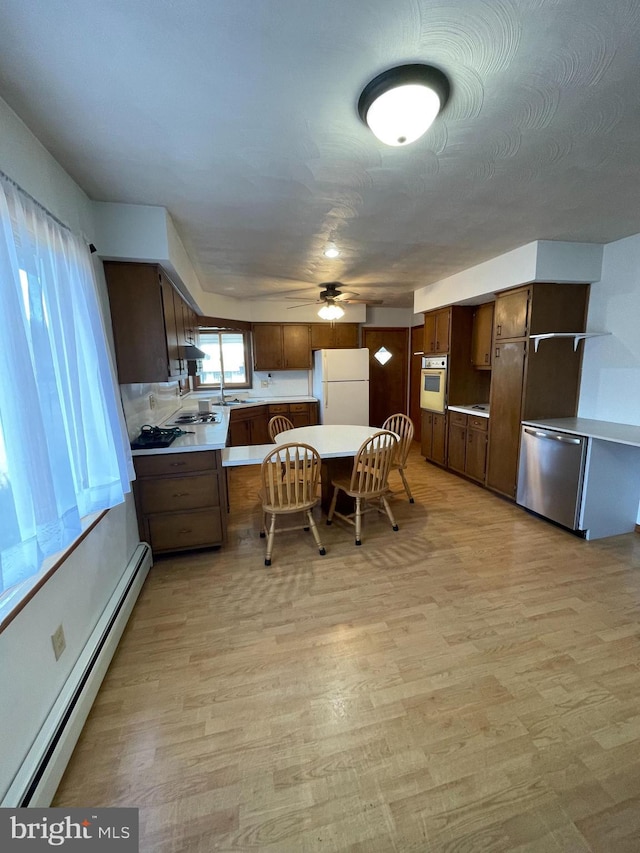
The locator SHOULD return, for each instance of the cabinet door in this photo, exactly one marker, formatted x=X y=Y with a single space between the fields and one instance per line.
x=171 y=302
x=429 y=333
x=259 y=427
x=299 y=414
x=426 y=439
x=504 y=426
x=439 y=443
x=135 y=302
x=267 y=346
x=481 y=336
x=346 y=335
x=296 y=346
x=457 y=447
x=240 y=431
x=512 y=314
x=322 y=336
x=476 y=454
x=442 y=331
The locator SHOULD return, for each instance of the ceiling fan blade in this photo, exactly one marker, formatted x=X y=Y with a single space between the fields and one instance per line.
x=363 y=301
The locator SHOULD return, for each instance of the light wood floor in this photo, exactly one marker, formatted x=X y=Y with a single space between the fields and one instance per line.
x=470 y=683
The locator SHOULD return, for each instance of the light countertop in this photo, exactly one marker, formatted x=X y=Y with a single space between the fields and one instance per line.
x=603 y=430
x=479 y=409
x=210 y=436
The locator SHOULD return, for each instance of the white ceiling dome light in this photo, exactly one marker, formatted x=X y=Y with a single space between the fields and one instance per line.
x=401 y=104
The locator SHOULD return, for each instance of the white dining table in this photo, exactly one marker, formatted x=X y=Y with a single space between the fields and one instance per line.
x=332 y=441
x=337 y=444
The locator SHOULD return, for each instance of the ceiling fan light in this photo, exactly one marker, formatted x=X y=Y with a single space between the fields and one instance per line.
x=331 y=312
x=401 y=104
x=331 y=252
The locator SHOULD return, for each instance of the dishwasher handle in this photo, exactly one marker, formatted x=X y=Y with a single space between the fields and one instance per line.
x=553 y=436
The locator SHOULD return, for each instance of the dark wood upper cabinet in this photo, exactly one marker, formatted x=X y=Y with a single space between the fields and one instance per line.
x=281 y=346
x=334 y=335
x=481 y=336
x=437 y=332
x=511 y=319
x=146 y=331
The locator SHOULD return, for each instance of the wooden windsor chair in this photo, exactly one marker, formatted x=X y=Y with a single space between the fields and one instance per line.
x=290 y=474
x=368 y=481
x=278 y=424
x=403 y=427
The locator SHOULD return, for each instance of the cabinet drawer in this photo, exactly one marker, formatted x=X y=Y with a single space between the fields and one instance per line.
x=299 y=407
x=175 y=463
x=279 y=409
x=179 y=493
x=478 y=423
x=185 y=530
x=457 y=418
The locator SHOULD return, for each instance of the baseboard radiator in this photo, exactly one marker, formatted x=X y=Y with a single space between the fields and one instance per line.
x=39 y=776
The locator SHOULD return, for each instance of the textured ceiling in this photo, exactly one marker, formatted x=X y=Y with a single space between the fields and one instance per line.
x=239 y=116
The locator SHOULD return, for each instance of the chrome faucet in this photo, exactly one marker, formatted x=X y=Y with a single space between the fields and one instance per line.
x=222 y=400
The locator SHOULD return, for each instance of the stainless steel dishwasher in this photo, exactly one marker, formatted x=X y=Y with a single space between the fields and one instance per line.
x=551 y=474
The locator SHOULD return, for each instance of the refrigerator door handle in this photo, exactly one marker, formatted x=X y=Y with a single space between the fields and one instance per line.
x=551 y=436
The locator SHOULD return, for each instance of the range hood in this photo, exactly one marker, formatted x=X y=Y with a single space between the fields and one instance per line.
x=192 y=353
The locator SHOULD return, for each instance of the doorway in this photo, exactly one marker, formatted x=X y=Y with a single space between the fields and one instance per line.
x=388 y=374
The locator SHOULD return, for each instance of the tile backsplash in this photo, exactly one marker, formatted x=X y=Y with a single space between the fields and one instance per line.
x=148 y=403
x=166 y=397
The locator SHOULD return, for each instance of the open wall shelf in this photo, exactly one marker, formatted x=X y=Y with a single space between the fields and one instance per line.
x=577 y=337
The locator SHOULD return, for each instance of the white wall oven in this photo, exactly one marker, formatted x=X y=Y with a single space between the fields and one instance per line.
x=433 y=384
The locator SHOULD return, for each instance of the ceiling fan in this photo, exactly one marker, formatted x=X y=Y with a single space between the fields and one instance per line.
x=331 y=295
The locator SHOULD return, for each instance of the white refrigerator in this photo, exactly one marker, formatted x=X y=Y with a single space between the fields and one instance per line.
x=341 y=384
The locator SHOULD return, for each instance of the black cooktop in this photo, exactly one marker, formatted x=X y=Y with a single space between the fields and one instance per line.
x=154 y=438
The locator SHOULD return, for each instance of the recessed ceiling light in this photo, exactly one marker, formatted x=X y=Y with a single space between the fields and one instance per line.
x=401 y=104
x=331 y=252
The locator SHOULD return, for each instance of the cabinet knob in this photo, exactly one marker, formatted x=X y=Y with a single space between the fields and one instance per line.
x=497 y=352
x=178 y=464
x=499 y=329
x=181 y=494
x=486 y=358
x=185 y=530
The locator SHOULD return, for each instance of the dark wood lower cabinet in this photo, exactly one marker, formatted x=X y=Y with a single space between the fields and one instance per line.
x=250 y=425
x=433 y=440
x=181 y=500
x=467 y=448
x=476 y=453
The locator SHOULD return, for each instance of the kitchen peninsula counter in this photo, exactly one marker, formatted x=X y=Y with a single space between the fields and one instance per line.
x=211 y=436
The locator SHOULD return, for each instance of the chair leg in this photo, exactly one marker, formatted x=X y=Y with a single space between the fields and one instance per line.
x=316 y=535
x=332 y=508
x=270 y=537
x=358 y=520
x=263 y=527
x=389 y=513
x=406 y=486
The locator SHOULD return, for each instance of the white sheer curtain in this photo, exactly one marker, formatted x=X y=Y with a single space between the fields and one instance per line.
x=63 y=454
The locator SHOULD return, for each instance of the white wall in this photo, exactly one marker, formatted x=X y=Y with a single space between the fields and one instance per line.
x=77 y=594
x=610 y=388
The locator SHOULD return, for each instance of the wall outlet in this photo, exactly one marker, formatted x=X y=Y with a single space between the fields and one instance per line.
x=58 y=641
x=152 y=401
x=264 y=383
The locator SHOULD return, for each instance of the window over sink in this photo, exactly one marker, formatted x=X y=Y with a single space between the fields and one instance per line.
x=227 y=358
